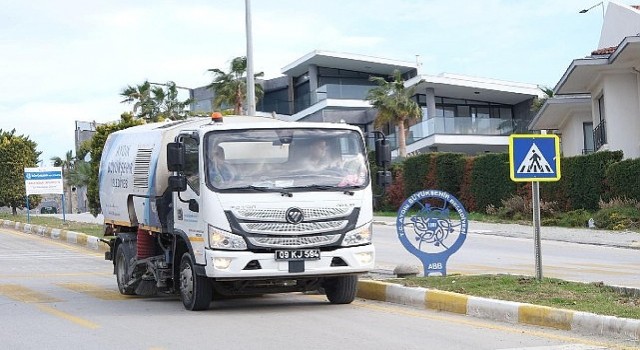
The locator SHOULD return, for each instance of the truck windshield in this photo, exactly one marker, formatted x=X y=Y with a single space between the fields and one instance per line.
x=305 y=159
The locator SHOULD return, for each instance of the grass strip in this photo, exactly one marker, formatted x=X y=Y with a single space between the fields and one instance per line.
x=596 y=298
x=52 y=222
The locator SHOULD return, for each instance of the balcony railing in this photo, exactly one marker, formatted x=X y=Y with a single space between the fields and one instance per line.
x=458 y=126
x=599 y=135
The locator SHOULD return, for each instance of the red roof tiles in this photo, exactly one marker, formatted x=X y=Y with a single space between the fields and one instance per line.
x=604 y=51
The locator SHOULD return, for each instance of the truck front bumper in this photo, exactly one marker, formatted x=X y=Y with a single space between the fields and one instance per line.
x=222 y=264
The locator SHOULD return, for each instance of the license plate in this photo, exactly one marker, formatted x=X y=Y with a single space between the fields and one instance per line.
x=299 y=254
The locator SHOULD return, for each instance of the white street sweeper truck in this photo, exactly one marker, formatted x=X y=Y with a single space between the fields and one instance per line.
x=241 y=206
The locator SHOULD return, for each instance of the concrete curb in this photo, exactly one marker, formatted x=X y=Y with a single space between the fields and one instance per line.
x=502 y=311
x=77 y=238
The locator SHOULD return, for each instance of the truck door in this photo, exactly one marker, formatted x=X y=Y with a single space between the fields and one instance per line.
x=187 y=216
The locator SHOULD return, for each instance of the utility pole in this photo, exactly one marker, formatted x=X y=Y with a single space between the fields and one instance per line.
x=251 y=86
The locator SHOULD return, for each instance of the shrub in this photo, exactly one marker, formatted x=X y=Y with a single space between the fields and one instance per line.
x=449 y=168
x=414 y=171
x=466 y=197
x=584 y=178
x=618 y=202
x=490 y=182
x=619 y=218
x=623 y=179
x=574 y=218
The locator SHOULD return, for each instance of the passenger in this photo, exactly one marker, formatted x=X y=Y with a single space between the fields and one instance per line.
x=219 y=169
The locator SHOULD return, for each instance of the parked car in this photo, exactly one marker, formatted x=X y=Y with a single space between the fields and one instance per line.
x=49 y=208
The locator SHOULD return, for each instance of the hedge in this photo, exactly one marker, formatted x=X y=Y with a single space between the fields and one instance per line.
x=623 y=179
x=490 y=182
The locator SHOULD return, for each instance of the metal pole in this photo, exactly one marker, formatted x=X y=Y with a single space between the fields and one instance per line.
x=64 y=218
x=28 y=211
x=535 y=191
x=251 y=87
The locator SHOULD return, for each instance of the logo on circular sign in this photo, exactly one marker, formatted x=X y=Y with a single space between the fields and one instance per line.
x=432 y=225
x=294 y=215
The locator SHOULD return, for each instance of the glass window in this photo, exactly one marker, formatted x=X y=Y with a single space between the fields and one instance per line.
x=505 y=113
x=587 y=131
x=291 y=159
x=192 y=161
x=464 y=111
x=449 y=111
x=601 y=107
x=482 y=112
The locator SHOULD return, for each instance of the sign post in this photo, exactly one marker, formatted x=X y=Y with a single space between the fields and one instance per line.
x=43 y=181
x=535 y=158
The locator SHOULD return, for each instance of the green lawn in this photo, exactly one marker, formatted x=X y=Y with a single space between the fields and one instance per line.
x=89 y=229
x=593 y=297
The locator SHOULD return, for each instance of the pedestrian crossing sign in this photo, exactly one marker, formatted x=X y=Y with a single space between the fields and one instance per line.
x=534 y=157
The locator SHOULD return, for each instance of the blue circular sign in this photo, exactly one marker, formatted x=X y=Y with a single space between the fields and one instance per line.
x=432 y=225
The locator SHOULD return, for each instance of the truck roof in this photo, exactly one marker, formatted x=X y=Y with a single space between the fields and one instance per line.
x=234 y=122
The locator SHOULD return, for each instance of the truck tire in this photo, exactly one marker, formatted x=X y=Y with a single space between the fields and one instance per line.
x=195 y=291
x=342 y=289
x=123 y=257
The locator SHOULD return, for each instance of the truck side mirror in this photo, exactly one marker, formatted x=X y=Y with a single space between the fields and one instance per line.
x=177 y=183
x=175 y=156
x=383 y=153
x=383 y=178
x=193 y=205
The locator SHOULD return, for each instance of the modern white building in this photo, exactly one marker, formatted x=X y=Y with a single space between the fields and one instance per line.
x=596 y=103
x=460 y=113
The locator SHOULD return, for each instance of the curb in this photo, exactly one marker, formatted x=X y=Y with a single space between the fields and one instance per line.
x=502 y=311
x=72 y=237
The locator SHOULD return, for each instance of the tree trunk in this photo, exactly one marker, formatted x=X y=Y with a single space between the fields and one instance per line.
x=14 y=210
x=402 y=141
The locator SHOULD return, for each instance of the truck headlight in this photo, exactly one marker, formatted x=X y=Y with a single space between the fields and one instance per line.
x=361 y=235
x=219 y=239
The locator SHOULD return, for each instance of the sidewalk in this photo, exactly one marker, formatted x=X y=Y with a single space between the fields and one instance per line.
x=620 y=239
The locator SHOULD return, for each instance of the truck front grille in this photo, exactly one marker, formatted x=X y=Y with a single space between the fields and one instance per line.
x=310 y=214
x=294 y=242
x=284 y=228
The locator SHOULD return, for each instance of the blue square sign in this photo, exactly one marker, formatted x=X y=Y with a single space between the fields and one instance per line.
x=534 y=157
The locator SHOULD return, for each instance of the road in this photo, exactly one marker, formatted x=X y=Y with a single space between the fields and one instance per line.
x=482 y=253
x=57 y=296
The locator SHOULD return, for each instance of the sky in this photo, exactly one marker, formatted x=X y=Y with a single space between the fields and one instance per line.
x=68 y=60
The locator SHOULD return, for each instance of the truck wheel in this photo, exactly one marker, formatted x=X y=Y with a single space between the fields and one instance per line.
x=342 y=289
x=195 y=291
x=123 y=256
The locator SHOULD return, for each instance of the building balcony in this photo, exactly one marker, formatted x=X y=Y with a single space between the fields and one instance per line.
x=458 y=126
x=332 y=91
x=599 y=135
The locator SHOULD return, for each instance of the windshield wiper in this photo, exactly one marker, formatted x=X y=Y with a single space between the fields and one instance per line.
x=263 y=189
x=344 y=189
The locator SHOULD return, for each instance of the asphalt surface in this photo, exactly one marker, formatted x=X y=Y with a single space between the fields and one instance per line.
x=503 y=311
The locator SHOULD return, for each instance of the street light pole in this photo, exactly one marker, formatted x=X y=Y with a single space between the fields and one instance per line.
x=594 y=6
x=251 y=87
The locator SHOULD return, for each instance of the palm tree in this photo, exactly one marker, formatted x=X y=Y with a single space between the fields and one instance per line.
x=394 y=104
x=67 y=165
x=539 y=101
x=230 y=89
x=144 y=106
x=169 y=105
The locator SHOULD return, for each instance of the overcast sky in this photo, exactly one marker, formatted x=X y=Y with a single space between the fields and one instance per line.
x=68 y=60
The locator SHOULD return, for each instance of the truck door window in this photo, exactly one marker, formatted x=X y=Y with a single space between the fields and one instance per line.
x=192 y=169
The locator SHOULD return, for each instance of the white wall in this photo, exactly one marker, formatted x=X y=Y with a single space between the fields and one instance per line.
x=622 y=113
x=572 y=133
x=620 y=21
